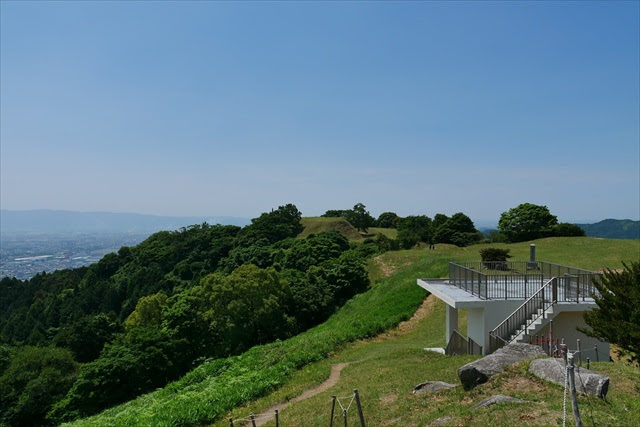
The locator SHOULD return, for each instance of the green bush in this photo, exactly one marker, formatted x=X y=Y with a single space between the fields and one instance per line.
x=494 y=258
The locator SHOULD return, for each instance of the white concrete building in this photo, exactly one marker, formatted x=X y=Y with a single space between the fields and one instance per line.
x=519 y=302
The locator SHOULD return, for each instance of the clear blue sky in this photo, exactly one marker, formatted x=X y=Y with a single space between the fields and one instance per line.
x=210 y=108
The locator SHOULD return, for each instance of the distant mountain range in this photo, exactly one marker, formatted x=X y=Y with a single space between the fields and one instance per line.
x=613 y=229
x=56 y=221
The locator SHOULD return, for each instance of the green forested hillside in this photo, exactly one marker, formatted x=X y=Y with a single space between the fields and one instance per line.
x=147 y=314
x=613 y=229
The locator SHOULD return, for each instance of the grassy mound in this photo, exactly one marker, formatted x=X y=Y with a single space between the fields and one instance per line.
x=314 y=225
x=383 y=369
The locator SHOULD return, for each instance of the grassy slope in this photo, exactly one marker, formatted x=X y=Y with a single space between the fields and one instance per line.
x=384 y=370
x=313 y=225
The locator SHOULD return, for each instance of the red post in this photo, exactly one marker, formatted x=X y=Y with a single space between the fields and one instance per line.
x=550 y=337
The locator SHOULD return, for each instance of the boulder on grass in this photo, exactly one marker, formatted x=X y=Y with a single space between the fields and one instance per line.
x=432 y=386
x=587 y=382
x=498 y=398
x=479 y=371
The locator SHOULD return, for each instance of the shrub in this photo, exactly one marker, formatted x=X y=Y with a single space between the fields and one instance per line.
x=495 y=258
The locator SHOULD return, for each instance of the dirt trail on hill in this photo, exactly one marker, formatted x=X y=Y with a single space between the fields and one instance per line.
x=334 y=376
x=387 y=270
x=425 y=309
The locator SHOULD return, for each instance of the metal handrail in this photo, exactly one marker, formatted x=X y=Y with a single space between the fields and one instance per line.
x=518 y=279
x=525 y=314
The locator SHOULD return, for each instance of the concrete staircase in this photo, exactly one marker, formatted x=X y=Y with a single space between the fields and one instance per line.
x=533 y=325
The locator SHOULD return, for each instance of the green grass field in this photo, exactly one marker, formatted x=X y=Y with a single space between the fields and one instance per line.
x=387 y=367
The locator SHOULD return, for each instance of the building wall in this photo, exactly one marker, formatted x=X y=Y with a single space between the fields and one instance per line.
x=475 y=326
x=564 y=326
x=483 y=319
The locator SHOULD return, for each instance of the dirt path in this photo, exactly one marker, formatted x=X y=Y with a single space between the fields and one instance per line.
x=334 y=376
x=426 y=308
x=387 y=270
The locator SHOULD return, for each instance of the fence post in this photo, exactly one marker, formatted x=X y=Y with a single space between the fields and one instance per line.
x=253 y=420
x=505 y=286
x=344 y=414
x=360 y=414
x=597 y=355
x=579 y=354
x=277 y=419
x=588 y=362
x=230 y=422
x=563 y=348
x=550 y=341
x=333 y=408
x=574 y=397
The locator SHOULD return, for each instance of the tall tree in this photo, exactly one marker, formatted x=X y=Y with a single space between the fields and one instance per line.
x=414 y=229
x=617 y=318
x=527 y=222
x=387 y=220
x=458 y=230
x=360 y=218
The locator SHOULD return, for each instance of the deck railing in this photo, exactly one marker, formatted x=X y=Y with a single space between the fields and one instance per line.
x=520 y=279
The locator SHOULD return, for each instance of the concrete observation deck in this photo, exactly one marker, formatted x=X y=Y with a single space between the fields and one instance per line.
x=457 y=297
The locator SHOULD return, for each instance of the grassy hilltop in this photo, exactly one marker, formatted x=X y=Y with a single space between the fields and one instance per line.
x=384 y=367
x=314 y=225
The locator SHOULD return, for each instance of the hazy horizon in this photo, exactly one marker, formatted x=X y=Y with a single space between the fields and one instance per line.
x=231 y=109
x=242 y=220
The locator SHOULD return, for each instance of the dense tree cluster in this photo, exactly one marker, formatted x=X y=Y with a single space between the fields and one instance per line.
x=457 y=229
x=145 y=315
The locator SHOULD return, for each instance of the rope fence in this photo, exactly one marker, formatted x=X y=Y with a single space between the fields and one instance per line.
x=569 y=369
x=345 y=403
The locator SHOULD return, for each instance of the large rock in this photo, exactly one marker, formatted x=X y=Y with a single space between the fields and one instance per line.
x=432 y=386
x=498 y=398
x=479 y=371
x=587 y=382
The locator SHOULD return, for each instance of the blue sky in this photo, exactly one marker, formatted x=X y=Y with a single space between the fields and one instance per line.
x=209 y=108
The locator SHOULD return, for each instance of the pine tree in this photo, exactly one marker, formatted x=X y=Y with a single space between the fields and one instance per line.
x=617 y=318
